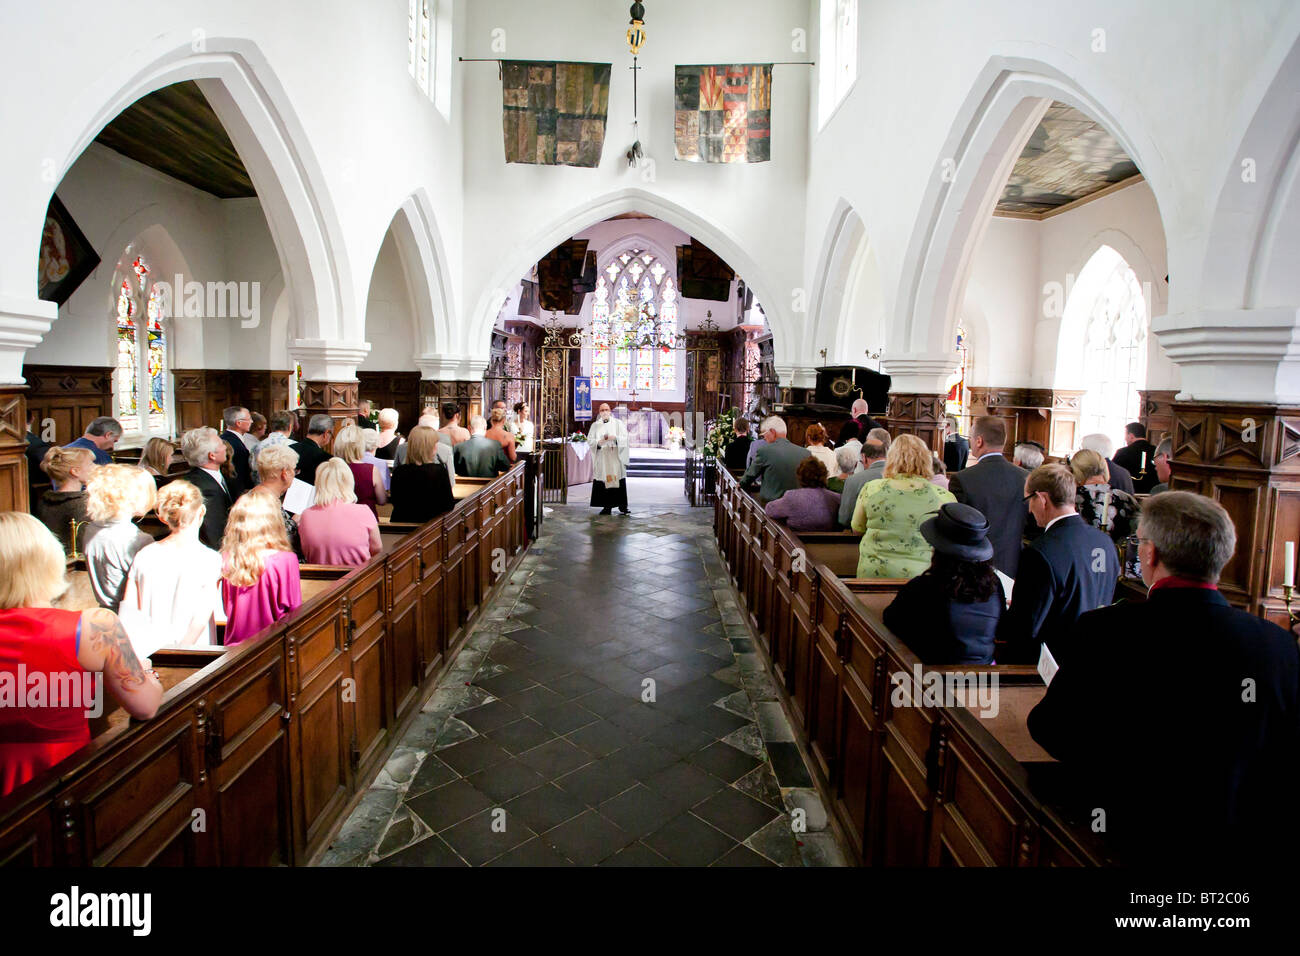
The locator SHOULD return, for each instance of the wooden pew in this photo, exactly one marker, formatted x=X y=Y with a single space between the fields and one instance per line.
x=909 y=782
x=273 y=741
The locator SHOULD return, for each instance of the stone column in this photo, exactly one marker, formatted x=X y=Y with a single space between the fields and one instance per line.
x=23 y=323
x=329 y=372
x=918 y=394
x=457 y=379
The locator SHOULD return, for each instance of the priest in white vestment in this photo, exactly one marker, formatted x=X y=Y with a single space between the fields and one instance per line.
x=610 y=451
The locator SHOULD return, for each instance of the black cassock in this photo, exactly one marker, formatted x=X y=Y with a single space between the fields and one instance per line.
x=611 y=497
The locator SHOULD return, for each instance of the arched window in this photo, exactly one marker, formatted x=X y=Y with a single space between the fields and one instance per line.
x=634 y=325
x=419 y=42
x=140 y=401
x=1103 y=347
x=839 y=55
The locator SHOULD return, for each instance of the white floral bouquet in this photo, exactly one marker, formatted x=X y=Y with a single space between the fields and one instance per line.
x=722 y=431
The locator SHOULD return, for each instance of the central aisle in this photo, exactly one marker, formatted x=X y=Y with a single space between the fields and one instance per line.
x=542 y=717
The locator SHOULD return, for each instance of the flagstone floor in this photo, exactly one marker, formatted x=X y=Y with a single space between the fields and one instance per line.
x=609 y=709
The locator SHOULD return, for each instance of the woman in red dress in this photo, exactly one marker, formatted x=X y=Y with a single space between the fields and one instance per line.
x=49 y=658
x=368 y=482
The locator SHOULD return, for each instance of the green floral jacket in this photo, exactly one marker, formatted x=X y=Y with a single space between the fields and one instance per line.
x=889 y=514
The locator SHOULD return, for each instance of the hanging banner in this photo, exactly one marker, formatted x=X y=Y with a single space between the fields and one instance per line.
x=724 y=113
x=581 y=399
x=554 y=113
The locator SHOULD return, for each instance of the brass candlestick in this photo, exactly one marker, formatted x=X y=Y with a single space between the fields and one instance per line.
x=75 y=526
x=1287 y=590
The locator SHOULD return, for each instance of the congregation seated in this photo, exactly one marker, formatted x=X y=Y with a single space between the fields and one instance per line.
x=848 y=459
x=479 y=456
x=37 y=639
x=311 y=450
x=996 y=488
x=338 y=529
x=498 y=432
x=736 y=455
x=1108 y=509
x=874 y=450
x=157 y=457
x=389 y=439
x=171 y=593
x=1163 y=461
x=260 y=582
x=810 y=507
x=948 y=614
x=101 y=435
x=890 y=510
x=1028 y=454
x=69 y=469
x=814 y=438
x=206 y=453
x=278 y=465
x=444 y=452
x=774 y=461
x=349 y=445
x=1198 y=765
x=421 y=487
x=1069 y=569
x=279 y=432
x=115 y=496
x=1117 y=476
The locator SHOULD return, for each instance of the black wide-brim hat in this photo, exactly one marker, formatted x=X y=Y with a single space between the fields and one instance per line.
x=959 y=530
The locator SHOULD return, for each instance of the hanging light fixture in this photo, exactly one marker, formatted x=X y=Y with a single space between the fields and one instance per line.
x=636 y=32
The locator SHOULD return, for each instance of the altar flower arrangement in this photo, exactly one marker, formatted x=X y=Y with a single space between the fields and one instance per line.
x=722 y=430
x=676 y=435
x=578 y=436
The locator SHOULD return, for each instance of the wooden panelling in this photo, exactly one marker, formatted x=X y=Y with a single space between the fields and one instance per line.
x=396 y=390
x=259 y=751
x=917 y=414
x=72 y=395
x=13 y=443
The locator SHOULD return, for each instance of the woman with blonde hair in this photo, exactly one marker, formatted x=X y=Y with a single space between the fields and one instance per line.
x=338 y=530
x=1108 y=509
x=367 y=482
x=277 y=467
x=421 y=487
x=814 y=439
x=260 y=579
x=157 y=457
x=69 y=470
x=891 y=510
x=116 y=495
x=171 y=593
x=36 y=638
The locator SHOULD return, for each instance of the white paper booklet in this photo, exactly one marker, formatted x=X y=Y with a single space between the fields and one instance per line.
x=1047 y=666
x=1007 y=584
x=299 y=497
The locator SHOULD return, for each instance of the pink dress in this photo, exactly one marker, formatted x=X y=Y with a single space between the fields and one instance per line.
x=337 y=534
x=250 y=609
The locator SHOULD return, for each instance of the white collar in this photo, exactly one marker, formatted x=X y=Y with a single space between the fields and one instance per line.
x=1056 y=519
x=216 y=473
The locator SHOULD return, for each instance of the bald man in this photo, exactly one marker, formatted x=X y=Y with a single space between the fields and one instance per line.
x=610 y=451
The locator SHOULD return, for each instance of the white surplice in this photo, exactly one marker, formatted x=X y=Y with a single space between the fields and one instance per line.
x=610 y=450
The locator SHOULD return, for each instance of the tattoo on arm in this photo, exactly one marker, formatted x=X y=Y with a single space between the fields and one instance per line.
x=108 y=635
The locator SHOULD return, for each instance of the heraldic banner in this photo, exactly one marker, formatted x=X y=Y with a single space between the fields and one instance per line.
x=724 y=113
x=554 y=113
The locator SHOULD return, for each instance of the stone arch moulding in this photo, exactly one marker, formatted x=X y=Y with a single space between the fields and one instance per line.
x=1253 y=242
x=844 y=236
x=255 y=110
x=994 y=122
x=516 y=262
x=424 y=263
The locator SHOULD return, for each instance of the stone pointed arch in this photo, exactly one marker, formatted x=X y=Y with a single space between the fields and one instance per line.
x=1004 y=105
x=516 y=261
x=258 y=115
x=848 y=304
x=424 y=263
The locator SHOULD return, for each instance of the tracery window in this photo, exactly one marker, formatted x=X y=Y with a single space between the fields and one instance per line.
x=839 y=54
x=419 y=41
x=633 y=346
x=1114 y=353
x=140 y=401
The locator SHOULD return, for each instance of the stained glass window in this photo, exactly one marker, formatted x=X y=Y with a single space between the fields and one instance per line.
x=634 y=348
x=140 y=382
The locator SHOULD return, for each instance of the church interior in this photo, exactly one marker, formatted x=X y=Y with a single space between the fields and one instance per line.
x=421 y=259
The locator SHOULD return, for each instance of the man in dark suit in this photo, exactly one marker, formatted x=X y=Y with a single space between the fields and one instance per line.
x=1137 y=457
x=205 y=451
x=36 y=449
x=363 y=415
x=1179 y=716
x=480 y=456
x=997 y=488
x=238 y=421
x=1117 y=476
x=1070 y=569
x=775 y=462
x=311 y=450
x=734 y=456
x=956 y=449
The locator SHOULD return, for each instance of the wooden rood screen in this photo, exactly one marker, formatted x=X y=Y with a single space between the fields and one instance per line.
x=910 y=782
x=258 y=752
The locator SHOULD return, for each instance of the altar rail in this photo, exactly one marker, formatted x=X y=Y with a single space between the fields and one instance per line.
x=908 y=784
x=258 y=752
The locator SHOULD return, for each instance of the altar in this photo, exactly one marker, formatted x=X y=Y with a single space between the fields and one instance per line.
x=646 y=427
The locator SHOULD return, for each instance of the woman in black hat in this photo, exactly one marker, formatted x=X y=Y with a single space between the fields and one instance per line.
x=949 y=613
